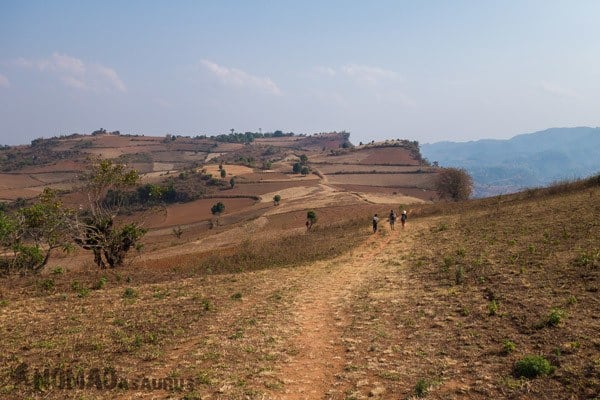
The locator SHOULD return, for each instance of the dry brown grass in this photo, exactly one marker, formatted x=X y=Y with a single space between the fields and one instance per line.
x=431 y=310
x=146 y=322
x=472 y=277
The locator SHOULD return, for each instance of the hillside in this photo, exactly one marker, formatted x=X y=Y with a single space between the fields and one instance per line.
x=58 y=162
x=444 y=308
x=529 y=160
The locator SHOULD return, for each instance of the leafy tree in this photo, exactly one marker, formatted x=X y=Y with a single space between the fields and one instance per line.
x=232 y=182
x=311 y=218
x=217 y=208
x=33 y=232
x=296 y=168
x=304 y=170
x=454 y=183
x=97 y=227
x=303 y=159
x=223 y=174
x=276 y=199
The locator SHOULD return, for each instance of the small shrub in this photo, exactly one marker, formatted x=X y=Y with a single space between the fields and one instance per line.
x=508 y=346
x=556 y=315
x=58 y=271
x=448 y=262
x=236 y=296
x=100 y=284
x=532 y=367
x=493 y=307
x=311 y=217
x=217 y=208
x=208 y=306
x=590 y=259
x=178 y=232
x=129 y=293
x=441 y=227
x=459 y=275
x=421 y=388
x=47 y=284
x=203 y=378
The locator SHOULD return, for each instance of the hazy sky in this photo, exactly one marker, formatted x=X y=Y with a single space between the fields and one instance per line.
x=421 y=70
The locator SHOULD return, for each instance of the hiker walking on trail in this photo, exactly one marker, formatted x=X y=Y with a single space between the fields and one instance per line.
x=375 y=222
x=392 y=219
x=403 y=218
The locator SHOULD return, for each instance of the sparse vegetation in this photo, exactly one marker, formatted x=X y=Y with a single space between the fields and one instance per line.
x=29 y=235
x=409 y=308
x=129 y=293
x=421 y=388
x=178 y=231
x=532 y=367
x=217 y=208
x=311 y=218
x=508 y=346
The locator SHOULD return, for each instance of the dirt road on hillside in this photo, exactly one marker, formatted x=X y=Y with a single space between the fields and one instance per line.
x=320 y=318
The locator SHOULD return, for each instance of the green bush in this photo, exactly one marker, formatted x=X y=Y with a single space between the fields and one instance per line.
x=100 y=284
x=532 y=367
x=47 y=284
x=421 y=388
x=129 y=293
x=555 y=317
x=508 y=346
x=493 y=307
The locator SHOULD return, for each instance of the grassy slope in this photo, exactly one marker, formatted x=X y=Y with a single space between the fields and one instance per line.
x=466 y=279
x=423 y=314
x=204 y=319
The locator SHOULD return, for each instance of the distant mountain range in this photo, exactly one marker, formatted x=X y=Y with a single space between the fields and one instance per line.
x=528 y=160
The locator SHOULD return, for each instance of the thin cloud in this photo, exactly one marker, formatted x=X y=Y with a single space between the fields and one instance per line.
x=75 y=73
x=238 y=78
x=23 y=63
x=369 y=74
x=557 y=90
x=4 y=81
x=327 y=71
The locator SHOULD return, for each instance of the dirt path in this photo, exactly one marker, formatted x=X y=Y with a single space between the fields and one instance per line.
x=318 y=313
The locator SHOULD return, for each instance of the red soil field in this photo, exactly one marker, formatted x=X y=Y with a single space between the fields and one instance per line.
x=199 y=210
x=59 y=166
x=250 y=189
x=11 y=181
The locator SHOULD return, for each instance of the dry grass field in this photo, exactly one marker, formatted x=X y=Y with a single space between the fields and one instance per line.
x=444 y=308
x=252 y=305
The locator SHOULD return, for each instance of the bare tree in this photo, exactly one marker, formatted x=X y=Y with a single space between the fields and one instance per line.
x=454 y=184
